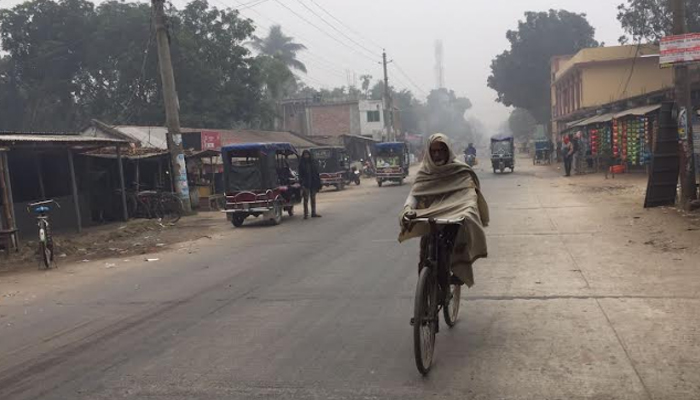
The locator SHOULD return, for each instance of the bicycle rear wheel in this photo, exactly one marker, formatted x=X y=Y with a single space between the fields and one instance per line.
x=169 y=208
x=425 y=320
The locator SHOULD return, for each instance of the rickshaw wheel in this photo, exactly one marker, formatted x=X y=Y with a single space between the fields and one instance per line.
x=277 y=218
x=237 y=221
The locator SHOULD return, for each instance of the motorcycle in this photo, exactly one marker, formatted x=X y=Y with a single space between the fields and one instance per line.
x=367 y=170
x=469 y=159
x=353 y=176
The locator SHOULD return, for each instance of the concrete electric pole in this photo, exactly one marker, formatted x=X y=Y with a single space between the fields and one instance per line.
x=388 y=107
x=684 y=106
x=172 y=116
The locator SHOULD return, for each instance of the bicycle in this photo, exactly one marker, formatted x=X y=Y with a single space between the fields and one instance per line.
x=46 y=244
x=153 y=204
x=436 y=289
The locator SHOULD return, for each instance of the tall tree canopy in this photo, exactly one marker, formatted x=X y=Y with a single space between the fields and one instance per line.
x=522 y=124
x=650 y=20
x=278 y=45
x=68 y=61
x=521 y=75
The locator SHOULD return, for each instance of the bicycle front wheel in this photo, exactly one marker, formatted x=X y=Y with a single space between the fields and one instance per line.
x=425 y=320
x=451 y=309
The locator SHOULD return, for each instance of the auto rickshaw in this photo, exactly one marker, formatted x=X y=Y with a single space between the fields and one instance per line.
x=391 y=161
x=502 y=153
x=258 y=180
x=334 y=167
x=543 y=152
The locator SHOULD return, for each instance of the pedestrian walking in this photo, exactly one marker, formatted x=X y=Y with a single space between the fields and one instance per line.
x=310 y=183
x=568 y=153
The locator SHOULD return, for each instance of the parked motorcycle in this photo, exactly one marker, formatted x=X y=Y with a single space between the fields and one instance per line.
x=353 y=176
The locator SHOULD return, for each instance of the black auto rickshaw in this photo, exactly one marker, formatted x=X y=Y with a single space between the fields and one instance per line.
x=334 y=167
x=543 y=152
x=391 y=161
x=258 y=180
x=502 y=153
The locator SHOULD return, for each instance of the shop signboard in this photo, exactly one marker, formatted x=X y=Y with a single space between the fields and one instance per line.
x=211 y=140
x=680 y=49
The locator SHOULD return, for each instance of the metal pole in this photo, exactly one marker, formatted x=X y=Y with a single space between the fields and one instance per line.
x=172 y=117
x=120 y=165
x=138 y=175
x=388 y=113
x=74 y=187
x=684 y=102
x=6 y=200
x=39 y=172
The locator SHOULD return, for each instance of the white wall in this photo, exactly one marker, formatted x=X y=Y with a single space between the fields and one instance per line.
x=376 y=129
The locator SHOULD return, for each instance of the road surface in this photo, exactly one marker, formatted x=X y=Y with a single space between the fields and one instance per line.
x=563 y=308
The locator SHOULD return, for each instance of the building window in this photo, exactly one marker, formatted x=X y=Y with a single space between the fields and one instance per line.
x=373 y=116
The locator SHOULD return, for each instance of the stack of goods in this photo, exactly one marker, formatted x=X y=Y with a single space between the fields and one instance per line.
x=600 y=140
x=619 y=140
x=595 y=140
x=635 y=128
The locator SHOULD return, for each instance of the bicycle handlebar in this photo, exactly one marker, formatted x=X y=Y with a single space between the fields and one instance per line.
x=436 y=221
x=42 y=203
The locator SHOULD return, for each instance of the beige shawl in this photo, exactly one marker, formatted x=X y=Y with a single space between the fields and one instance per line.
x=450 y=191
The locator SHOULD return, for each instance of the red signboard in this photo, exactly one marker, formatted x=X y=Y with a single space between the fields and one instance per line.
x=211 y=140
x=680 y=49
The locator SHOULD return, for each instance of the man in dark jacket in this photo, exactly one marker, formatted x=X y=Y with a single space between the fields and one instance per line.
x=310 y=182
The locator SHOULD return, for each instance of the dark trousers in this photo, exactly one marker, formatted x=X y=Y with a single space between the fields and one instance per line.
x=308 y=193
x=567 y=164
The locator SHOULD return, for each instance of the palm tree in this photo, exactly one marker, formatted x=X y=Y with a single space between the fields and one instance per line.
x=281 y=47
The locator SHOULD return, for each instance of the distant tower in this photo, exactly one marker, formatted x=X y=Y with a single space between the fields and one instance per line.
x=439 y=68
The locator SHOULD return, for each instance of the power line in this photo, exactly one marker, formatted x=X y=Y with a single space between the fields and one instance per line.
x=323 y=31
x=336 y=29
x=251 y=4
x=405 y=75
x=346 y=26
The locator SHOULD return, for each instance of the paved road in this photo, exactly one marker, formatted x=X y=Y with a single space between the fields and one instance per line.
x=320 y=309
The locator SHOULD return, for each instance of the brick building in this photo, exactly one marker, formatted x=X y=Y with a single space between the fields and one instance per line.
x=356 y=118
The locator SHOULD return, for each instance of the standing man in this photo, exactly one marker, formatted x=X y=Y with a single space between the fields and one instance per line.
x=310 y=182
x=568 y=152
x=577 y=155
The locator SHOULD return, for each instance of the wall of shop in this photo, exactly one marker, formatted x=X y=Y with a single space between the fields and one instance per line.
x=605 y=83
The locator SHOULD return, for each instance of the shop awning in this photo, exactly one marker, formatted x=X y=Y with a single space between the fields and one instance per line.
x=639 y=111
x=600 y=119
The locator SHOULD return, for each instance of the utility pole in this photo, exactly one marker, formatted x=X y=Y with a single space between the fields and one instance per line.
x=684 y=102
x=388 y=107
x=172 y=116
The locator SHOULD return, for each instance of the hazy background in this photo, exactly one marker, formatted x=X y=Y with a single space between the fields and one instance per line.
x=472 y=31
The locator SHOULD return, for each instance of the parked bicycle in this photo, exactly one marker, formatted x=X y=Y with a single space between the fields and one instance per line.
x=153 y=204
x=46 y=245
x=436 y=289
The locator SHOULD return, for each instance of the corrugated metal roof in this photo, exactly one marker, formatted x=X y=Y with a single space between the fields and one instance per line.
x=9 y=138
x=639 y=111
x=155 y=136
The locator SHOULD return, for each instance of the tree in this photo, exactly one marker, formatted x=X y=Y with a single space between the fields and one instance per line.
x=651 y=20
x=522 y=124
x=446 y=114
x=366 y=83
x=46 y=42
x=277 y=44
x=74 y=62
x=521 y=75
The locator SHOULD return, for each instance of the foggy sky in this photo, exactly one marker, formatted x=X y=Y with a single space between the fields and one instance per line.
x=472 y=32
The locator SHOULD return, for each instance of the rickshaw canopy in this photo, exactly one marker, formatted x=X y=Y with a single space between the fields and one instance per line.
x=330 y=158
x=243 y=149
x=389 y=146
